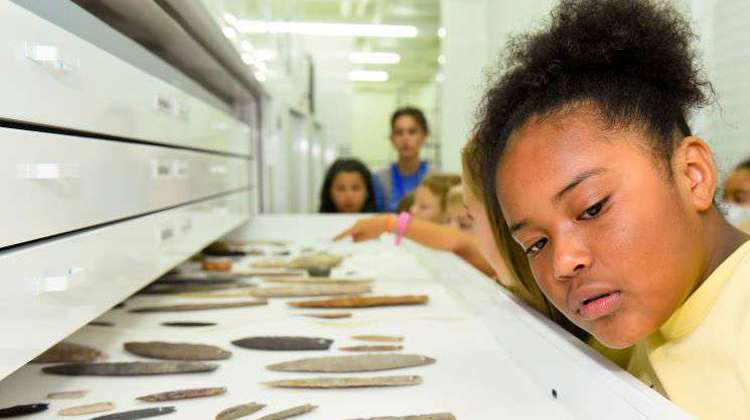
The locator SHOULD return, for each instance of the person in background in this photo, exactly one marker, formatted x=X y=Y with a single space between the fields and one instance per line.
x=406 y=202
x=347 y=188
x=458 y=215
x=431 y=197
x=737 y=196
x=409 y=131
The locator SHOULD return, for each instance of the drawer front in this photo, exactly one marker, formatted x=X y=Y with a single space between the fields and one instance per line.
x=52 y=289
x=60 y=183
x=55 y=78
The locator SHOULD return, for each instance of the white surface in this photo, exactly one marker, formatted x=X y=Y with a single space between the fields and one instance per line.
x=51 y=289
x=62 y=183
x=492 y=355
x=61 y=80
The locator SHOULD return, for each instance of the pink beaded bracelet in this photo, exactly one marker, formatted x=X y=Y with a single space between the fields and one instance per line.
x=401 y=224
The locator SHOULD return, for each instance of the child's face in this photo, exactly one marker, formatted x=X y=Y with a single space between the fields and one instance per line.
x=482 y=230
x=737 y=188
x=427 y=206
x=407 y=137
x=611 y=240
x=458 y=217
x=349 y=192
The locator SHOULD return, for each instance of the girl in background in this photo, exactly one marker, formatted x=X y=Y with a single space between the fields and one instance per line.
x=409 y=131
x=347 y=188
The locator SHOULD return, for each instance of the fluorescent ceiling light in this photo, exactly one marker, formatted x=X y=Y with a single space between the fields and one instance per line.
x=442 y=32
x=368 y=76
x=260 y=76
x=441 y=59
x=247 y=46
x=374 y=57
x=229 y=32
x=230 y=18
x=248 y=58
x=327 y=29
x=440 y=77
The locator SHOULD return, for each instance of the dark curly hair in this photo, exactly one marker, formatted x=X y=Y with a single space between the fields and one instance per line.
x=346 y=165
x=631 y=60
x=413 y=112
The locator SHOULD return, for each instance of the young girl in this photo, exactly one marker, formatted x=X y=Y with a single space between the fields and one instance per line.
x=431 y=197
x=456 y=211
x=347 y=188
x=584 y=143
x=409 y=132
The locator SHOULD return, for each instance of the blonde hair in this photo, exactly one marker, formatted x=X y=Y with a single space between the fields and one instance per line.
x=440 y=185
x=512 y=253
x=455 y=196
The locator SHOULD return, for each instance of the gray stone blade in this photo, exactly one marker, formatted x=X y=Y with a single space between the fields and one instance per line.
x=354 y=382
x=197 y=306
x=188 y=324
x=183 y=394
x=137 y=414
x=358 y=363
x=239 y=411
x=129 y=368
x=292 y=412
x=281 y=343
x=22 y=410
x=176 y=351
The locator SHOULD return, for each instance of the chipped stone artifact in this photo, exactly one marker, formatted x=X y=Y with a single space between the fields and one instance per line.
x=355 y=382
x=284 y=343
x=137 y=414
x=292 y=412
x=129 y=368
x=188 y=324
x=311 y=290
x=22 y=410
x=65 y=352
x=239 y=411
x=87 y=409
x=362 y=302
x=379 y=338
x=371 y=348
x=183 y=394
x=176 y=351
x=358 y=363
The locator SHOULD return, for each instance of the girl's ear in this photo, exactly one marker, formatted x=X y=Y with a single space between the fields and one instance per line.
x=694 y=167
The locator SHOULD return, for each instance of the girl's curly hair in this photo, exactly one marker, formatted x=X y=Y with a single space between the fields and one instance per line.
x=632 y=60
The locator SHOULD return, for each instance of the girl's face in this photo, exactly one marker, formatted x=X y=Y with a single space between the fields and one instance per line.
x=349 y=192
x=737 y=188
x=612 y=241
x=458 y=217
x=427 y=206
x=407 y=137
x=482 y=231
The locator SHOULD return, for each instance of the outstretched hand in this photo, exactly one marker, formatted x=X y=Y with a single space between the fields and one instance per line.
x=366 y=229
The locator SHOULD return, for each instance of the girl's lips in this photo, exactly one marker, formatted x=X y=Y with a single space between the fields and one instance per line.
x=600 y=305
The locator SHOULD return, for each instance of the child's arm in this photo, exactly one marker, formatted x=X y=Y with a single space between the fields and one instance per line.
x=426 y=233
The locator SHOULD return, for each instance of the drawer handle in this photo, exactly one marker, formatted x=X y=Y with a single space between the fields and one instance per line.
x=47 y=171
x=181 y=169
x=49 y=55
x=161 y=169
x=163 y=104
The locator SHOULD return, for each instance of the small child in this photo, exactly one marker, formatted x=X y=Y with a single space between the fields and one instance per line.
x=458 y=215
x=431 y=196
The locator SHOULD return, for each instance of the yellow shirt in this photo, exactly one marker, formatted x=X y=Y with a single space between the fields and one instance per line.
x=700 y=358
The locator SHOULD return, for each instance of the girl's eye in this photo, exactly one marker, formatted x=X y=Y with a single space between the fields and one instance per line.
x=536 y=247
x=594 y=210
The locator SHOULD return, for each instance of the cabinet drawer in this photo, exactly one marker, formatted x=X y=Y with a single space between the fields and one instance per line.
x=56 y=183
x=58 y=79
x=53 y=288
